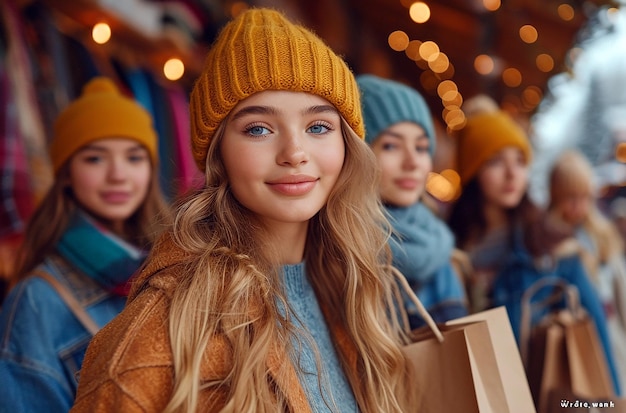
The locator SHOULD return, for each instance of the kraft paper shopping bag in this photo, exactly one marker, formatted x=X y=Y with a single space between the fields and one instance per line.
x=562 y=352
x=508 y=358
x=470 y=365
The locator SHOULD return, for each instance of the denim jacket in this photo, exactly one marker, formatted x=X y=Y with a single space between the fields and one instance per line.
x=42 y=343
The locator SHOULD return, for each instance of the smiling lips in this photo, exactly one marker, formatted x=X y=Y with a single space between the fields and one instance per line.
x=293 y=185
x=116 y=197
x=407 y=183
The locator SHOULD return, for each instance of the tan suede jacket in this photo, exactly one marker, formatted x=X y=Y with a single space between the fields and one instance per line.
x=128 y=365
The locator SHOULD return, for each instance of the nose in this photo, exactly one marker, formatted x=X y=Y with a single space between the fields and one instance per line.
x=409 y=161
x=513 y=170
x=118 y=169
x=292 y=150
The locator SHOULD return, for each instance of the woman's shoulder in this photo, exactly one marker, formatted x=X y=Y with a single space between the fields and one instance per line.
x=31 y=296
x=131 y=357
x=134 y=344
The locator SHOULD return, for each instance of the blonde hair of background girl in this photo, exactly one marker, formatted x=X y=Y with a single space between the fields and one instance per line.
x=233 y=272
x=572 y=175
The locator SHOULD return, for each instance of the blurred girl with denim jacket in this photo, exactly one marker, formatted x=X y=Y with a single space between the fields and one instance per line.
x=91 y=233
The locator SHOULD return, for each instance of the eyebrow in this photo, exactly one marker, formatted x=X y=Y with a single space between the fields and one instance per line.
x=269 y=110
x=400 y=136
x=320 y=109
x=96 y=147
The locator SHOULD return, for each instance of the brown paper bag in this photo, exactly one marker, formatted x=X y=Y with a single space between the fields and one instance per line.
x=469 y=365
x=459 y=374
x=509 y=361
x=563 y=354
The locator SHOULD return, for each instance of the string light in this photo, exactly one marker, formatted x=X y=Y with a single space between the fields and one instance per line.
x=528 y=34
x=544 y=62
x=398 y=40
x=101 y=33
x=566 y=12
x=419 y=12
x=491 y=5
x=429 y=51
x=174 y=69
x=484 y=64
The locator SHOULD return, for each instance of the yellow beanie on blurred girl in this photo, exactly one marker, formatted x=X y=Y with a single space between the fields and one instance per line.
x=261 y=50
x=486 y=132
x=100 y=112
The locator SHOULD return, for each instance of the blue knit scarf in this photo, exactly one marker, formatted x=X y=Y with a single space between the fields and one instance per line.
x=97 y=252
x=421 y=244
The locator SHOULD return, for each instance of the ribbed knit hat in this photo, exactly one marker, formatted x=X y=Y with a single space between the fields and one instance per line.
x=386 y=102
x=261 y=50
x=483 y=136
x=100 y=112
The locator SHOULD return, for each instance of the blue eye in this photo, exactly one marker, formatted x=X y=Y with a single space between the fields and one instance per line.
x=318 y=129
x=258 y=130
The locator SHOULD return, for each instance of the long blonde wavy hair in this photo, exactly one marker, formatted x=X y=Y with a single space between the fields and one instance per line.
x=232 y=290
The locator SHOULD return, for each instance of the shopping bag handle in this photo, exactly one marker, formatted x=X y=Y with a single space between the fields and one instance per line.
x=420 y=307
x=565 y=289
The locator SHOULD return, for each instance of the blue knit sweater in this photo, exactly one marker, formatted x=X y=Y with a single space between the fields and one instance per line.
x=335 y=393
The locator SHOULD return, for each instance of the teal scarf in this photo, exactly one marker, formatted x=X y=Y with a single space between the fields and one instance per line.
x=421 y=244
x=100 y=254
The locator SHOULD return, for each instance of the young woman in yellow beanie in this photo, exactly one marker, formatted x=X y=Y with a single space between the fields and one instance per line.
x=270 y=294
x=510 y=241
x=89 y=235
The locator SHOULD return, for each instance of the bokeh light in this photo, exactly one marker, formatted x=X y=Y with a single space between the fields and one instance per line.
x=101 y=33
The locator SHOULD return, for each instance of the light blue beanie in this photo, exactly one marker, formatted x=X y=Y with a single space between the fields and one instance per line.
x=386 y=102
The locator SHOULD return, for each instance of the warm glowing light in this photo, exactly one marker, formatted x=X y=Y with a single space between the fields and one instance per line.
x=452 y=98
x=448 y=74
x=174 y=69
x=440 y=63
x=491 y=5
x=413 y=50
x=544 y=62
x=429 y=51
x=531 y=96
x=452 y=176
x=398 y=40
x=620 y=152
x=512 y=77
x=566 y=12
x=455 y=118
x=101 y=33
x=445 y=87
x=484 y=64
x=439 y=187
x=528 y=34
x=419 y=12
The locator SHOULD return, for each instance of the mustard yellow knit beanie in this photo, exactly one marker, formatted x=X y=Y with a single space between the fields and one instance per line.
x=261 y=50
x=100 y=112
x=483 y=136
